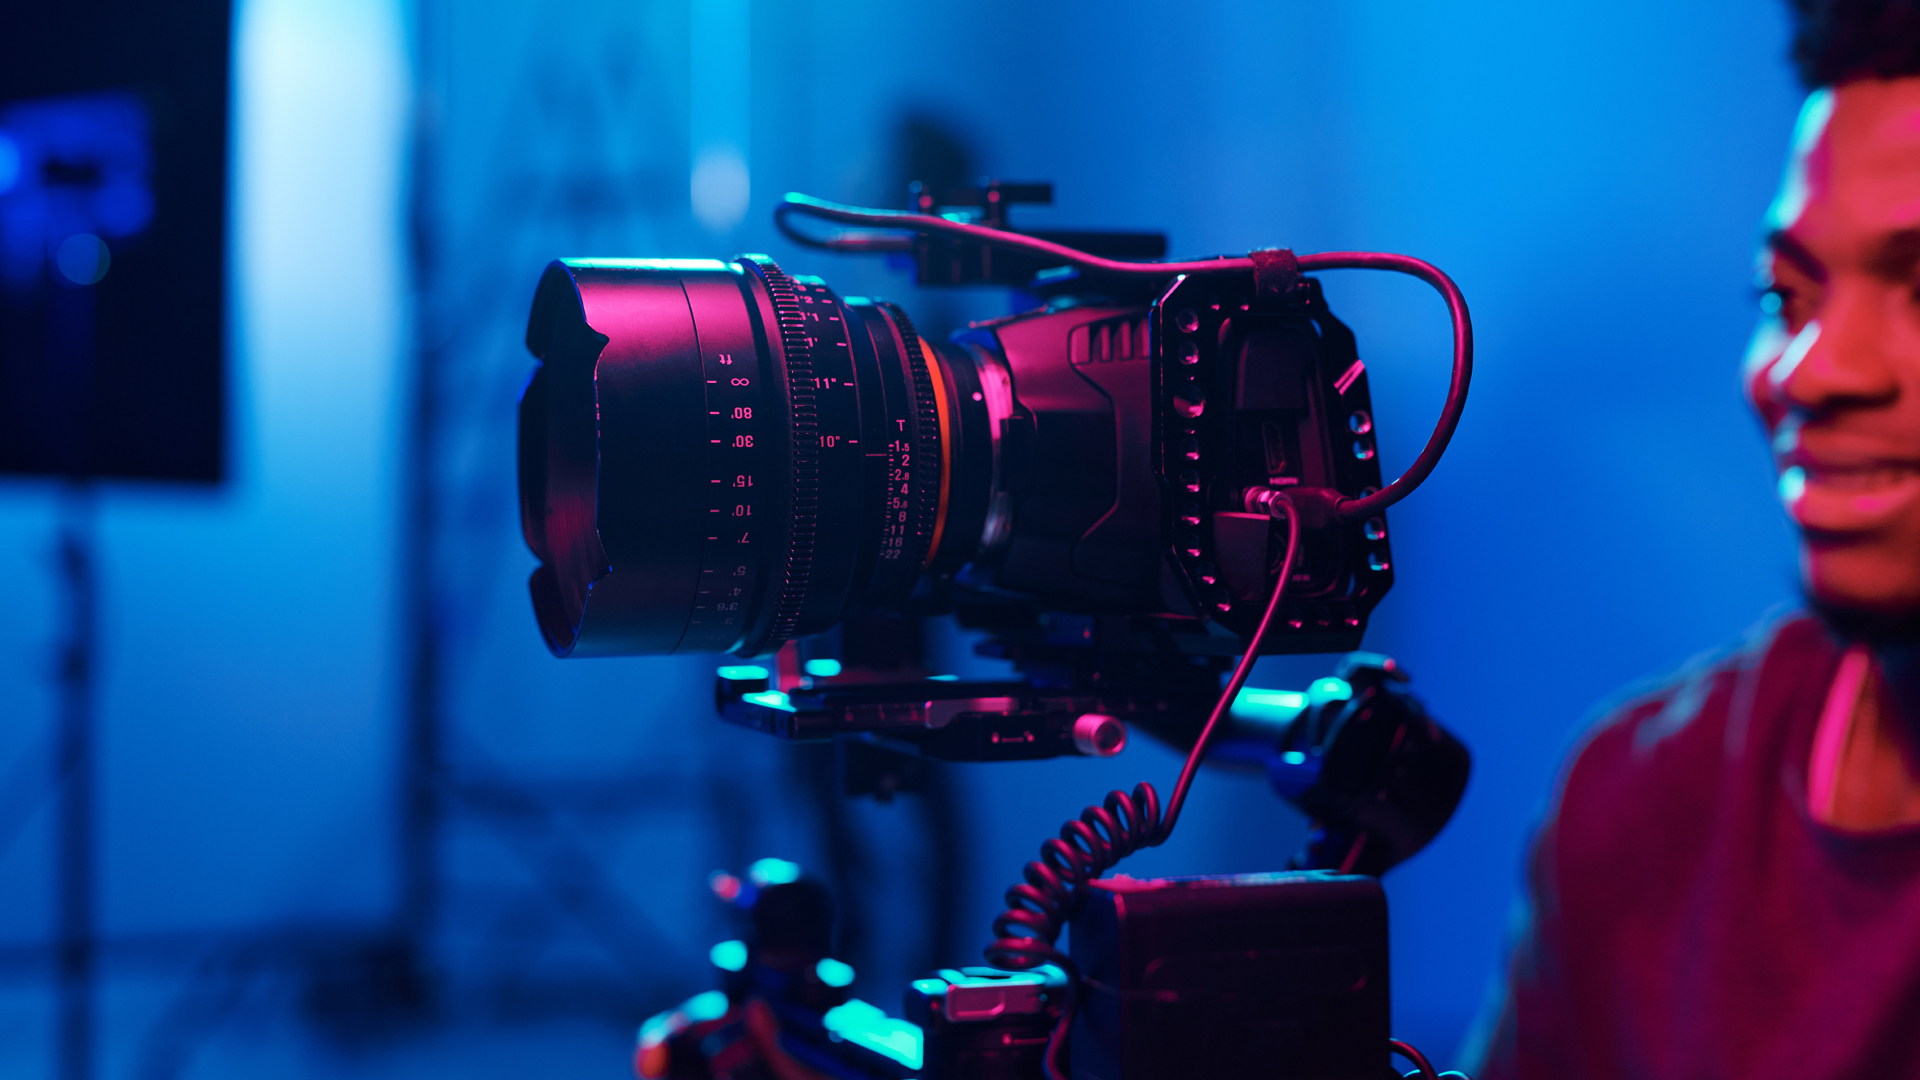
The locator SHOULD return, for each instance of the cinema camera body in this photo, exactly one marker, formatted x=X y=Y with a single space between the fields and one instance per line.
x=1149 y=470
x=722 y=457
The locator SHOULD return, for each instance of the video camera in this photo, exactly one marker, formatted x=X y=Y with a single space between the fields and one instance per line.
x=1152 y=469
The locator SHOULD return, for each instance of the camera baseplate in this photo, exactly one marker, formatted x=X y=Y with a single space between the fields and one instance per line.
x=953 y=720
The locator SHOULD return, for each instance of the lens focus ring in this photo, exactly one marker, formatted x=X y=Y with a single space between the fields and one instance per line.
x=804 y=430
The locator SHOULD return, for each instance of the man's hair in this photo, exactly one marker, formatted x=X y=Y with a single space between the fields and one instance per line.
x=1837 y=41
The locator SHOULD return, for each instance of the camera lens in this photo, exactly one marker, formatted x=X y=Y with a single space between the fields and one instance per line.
x=716 y=456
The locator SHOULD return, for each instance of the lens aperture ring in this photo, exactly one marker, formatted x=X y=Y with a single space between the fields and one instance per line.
x=928 y=476
x=804 y=430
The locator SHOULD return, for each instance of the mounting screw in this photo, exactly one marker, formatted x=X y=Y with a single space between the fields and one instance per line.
x=1099 y=735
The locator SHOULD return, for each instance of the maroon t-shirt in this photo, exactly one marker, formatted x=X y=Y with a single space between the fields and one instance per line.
x=1688 y=918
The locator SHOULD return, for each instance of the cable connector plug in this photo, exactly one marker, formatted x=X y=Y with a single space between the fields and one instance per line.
x=1317 y=507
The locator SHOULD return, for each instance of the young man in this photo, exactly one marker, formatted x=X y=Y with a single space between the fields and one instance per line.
x=1729 y=882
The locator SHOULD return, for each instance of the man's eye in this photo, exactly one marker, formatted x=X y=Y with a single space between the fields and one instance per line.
x=1794 y=307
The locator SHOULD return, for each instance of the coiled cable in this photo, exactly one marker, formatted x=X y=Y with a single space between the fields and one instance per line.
x=1025 y=934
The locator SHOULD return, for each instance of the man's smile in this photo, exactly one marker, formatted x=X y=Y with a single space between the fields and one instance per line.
x=1839 y=492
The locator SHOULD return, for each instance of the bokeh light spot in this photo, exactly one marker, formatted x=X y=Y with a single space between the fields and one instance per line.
x=701 y=1008
x=729 y=955
x=82 y=258
x=720 y=188
x=773 y=872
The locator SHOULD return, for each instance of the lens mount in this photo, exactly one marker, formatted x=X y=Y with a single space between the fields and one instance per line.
x=717 y=456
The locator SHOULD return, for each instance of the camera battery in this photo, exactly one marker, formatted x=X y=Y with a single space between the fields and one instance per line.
x=984 y=1024
x=1257 y=975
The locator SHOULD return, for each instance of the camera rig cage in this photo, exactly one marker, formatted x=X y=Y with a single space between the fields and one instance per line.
x=1259 y=403
x=1245 y=515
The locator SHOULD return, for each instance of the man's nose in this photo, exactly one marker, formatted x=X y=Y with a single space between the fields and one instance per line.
x=1844 y=356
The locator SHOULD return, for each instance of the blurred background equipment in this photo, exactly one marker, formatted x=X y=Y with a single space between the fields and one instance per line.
x=113 y=240
x=317 y=854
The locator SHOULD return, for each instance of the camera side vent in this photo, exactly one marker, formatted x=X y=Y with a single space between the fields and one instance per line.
x=1108 y=340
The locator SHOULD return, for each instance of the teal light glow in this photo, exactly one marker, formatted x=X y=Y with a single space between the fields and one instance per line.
x=657 y=1028
x=773 y=872
x=1793 y=485
x=824 y=669
x=1328 y=689
x=1269 y=706
x=1294 y=757
x=1791 y=202
x=865 y=1025
x=1795 y=352
x=701 y=1008
x=772 y=699
x=833 y=972
x=743 y=672
x=930 y=986
x=943 y=678
x=729 y=955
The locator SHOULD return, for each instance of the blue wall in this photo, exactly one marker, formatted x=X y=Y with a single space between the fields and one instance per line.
x=1590 y=173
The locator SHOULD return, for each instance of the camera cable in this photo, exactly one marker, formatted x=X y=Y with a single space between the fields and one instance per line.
x=1345 y=509
x=1025 y=934
x=1422 y=1068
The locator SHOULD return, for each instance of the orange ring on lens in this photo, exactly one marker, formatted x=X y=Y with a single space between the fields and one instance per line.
x=945 y=412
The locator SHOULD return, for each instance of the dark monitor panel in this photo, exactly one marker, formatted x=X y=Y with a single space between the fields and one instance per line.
x=113 y=192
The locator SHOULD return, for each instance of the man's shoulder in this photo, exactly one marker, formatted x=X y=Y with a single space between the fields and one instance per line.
x=1656 y=751
x=1666 y=715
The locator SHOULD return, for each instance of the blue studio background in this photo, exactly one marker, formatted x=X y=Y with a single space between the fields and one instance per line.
x=354 y=818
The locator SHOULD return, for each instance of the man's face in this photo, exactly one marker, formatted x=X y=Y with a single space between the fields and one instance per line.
x=1834 y=369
